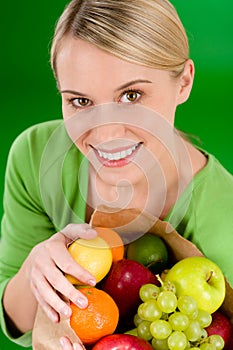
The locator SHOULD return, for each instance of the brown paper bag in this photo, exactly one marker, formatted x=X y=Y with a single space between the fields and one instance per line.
x=128 y=223
x=46 y=335
x=133 y=223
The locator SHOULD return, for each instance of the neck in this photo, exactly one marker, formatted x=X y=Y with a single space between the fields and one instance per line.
x=158 y=191
x=152 y=193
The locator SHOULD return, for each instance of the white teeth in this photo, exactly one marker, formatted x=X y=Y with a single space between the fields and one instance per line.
x=117 y=155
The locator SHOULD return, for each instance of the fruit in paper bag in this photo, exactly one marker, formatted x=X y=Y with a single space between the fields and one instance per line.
x=122 y=342
x=200 y=278
x=94 y=255
x=98 y=319
x=150 y=250
x=123 y=283
x=220 y=325
x=114 y=241
x=169 y=322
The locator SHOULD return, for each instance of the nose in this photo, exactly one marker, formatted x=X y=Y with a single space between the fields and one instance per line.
x=108 y=132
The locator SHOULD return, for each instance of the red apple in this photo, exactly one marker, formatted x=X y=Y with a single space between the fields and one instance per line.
x=123 y=283
x=220 y=325
x=122 y=342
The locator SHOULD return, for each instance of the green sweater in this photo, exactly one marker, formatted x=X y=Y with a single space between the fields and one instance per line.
x=46 y=188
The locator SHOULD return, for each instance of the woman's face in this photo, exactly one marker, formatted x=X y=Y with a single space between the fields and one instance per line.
x=89 y=77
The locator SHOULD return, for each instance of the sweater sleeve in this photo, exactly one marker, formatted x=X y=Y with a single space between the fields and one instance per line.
x=24 y=223
x=208 y=221
x=214 y=221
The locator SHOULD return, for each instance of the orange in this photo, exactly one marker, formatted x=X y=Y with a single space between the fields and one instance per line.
x=100 y=318
x=94 y=255
x=114 y=241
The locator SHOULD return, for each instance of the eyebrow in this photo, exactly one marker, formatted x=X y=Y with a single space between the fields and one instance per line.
x=124 y=86
x=132 y=83
x=73 y=92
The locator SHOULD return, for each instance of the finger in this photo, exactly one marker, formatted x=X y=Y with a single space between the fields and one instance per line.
x=66 y=345
x=61 y=258
x=78 y=346
x=49 y=311
x=56 y=279
x=75 y=231
x=61 y=284
x=49 y=299
x=67 y=264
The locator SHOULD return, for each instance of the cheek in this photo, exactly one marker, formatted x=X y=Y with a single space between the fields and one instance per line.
x=74 y=134
x=164 y=103
x=66 y=110
x=80 y=144
x=70 y=126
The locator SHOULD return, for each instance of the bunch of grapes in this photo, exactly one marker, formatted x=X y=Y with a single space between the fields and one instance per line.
x=169 y=322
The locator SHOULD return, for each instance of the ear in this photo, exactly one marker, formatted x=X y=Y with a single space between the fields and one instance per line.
x=186 y=82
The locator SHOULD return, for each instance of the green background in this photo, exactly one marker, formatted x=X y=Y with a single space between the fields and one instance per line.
x=28 y=90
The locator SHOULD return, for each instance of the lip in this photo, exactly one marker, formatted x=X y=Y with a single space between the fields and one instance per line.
x=119 y=152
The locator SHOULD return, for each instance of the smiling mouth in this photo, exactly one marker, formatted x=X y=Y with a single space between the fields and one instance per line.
x=118 y=155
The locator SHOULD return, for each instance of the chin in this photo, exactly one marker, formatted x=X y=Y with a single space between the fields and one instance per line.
x=125 y=176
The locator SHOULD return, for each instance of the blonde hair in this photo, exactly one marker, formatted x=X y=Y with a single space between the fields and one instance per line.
x=147 y=32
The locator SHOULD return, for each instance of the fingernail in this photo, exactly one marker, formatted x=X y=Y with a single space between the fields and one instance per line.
x=91 y=231
x=91 y=282
x=81 y=302
x=62 y=342
x=66 y=311
x=53 y=317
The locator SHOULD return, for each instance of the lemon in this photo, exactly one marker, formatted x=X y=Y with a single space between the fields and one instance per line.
x=94 y=255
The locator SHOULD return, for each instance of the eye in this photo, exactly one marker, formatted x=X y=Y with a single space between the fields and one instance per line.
x=130 y=96
x=79 y=102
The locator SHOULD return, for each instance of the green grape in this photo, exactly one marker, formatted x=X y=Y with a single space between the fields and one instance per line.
x=160 y=329
x=204 y=318
x=143 y=330
x=193 y=332
x=217 y=341
x=178 y=321
x=149 y=311
x=188 y=346
x=137 y=320
x=168 y=285
x=193 y=316
x=207 y=346
x=177 y=341
x=159 y=344
x=167 y=301
x=187 y=304
x=149 y=291
x=204 y=334
x=140 y=311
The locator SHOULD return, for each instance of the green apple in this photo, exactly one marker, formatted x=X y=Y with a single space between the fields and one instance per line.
x=200 y=278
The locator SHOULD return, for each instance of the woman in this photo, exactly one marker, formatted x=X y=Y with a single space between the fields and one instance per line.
x=122 y=68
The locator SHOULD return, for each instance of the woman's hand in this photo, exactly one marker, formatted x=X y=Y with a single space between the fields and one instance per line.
x=45 y=268
x=67 y=345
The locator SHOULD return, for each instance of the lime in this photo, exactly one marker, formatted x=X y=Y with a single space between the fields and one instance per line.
x=150 y=250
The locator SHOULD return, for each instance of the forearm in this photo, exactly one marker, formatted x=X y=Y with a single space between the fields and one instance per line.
x=19 y=303
x=41 y=280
